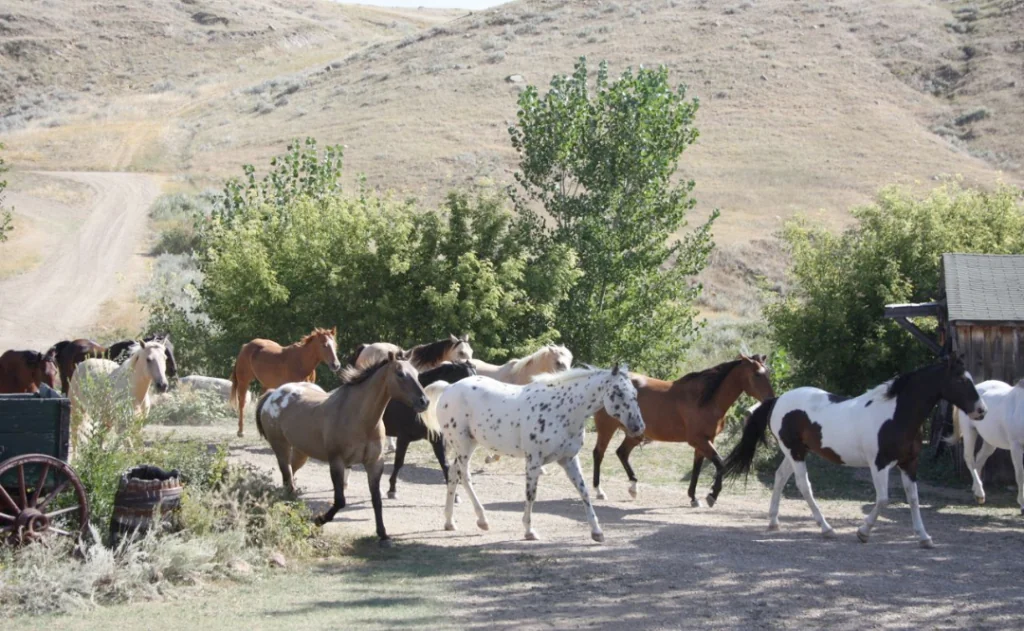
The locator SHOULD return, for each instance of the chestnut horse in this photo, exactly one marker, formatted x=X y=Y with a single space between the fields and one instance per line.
x=690 y=410
x=274 y=365
x=71 y=353
x=24 y=371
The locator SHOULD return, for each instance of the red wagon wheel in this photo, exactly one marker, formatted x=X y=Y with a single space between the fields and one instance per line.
x=40 y=495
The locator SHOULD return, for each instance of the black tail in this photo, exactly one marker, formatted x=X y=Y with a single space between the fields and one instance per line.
x=259 y=408
x=742 y=455
x=355 y=355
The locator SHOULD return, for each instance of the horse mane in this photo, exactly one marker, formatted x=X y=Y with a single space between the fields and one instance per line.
x=432 y=353
x=711 y=378
x=352 y=376
x=317 y=331
x=58 y=348
x=355 y=354
x=573 y=374
x=897 y=385
x=521 y=363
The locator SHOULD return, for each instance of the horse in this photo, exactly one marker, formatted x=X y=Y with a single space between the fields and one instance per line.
x=341 y=428
x=547 y=359
x=71 y=353
x=274 y=365
x=542 y=421
x=120 y=351
x=25 y=371
x=690 y=409
x=879 y=429
x=1003 y=428
x=403 y=423
x=216 y=385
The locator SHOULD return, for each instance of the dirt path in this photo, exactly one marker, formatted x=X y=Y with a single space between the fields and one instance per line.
x=664 y=565
x=61 y=297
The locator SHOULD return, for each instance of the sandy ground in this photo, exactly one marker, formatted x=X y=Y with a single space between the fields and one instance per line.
x=91 y=248
x=664 y=564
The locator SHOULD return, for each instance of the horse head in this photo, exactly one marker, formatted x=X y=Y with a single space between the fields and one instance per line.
x=50 y=376
x=958 y=388
x=403 y=383
x=459 y=350
x=620 y=400
x=326 y=346
x=151 y=357
x=559 y=358
x=755 y=377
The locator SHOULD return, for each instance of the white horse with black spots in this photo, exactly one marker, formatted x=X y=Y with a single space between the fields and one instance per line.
x=879 y=429
x=1003 y=428
x=542 y=422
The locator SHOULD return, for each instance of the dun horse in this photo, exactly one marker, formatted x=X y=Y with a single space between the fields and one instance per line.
x=341 y=428
x=879 y=429
x=690 y=410
x=274 y=365
x=542 y=422
x=71 y=353
x=24 y=371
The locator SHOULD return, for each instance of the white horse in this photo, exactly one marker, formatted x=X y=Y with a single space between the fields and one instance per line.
x=1003 y=428
x=542 y=421
x=216 y=385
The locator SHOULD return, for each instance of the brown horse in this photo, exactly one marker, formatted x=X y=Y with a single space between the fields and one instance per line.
x=690 y=410
x=341 y=428
x=71 y=353
x=24 y=371
x=274 y=365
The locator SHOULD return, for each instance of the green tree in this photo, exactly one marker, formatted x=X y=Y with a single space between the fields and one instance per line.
x=601 y=165
x=833 y=324
x=6 y=217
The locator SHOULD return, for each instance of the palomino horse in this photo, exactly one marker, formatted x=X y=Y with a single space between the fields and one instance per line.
x=402 y=422
x=690 y=410
x=341 y=428
x=547 y=359
x=879 y=429
x=1003 y=428
x=24 y=371
x=71 y=353
x=542 y=422
x=120 y=351
x=274 y=365
x=422 y=357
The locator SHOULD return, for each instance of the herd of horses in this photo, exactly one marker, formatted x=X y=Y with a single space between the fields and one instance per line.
x=536 y=407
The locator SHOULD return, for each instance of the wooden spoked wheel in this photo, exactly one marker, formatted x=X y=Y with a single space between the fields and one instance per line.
x=40 y=496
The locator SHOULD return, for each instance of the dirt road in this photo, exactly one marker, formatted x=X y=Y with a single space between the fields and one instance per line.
x=85 y=267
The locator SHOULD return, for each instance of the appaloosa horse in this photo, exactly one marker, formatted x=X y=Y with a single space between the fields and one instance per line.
x=71 y=353
x=879 y=429
x=274 y=365
x=690 y=410
x=24 y=371
x=341 y=428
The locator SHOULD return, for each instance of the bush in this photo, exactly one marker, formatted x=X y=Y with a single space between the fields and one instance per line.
x=6 y=217
x=177 y=219
x=833 y=325
x=186 y=406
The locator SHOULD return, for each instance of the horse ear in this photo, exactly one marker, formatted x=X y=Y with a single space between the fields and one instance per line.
x=334 y=331
x=465 y=338
x=391 y=356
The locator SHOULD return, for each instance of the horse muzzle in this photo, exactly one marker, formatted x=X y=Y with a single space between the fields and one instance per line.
x=421 y=404
x=162 y=387
x=979 y=412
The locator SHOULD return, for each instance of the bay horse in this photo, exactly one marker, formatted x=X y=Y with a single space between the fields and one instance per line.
x=689 y=410
x=273 y=365
x=402 y=422
x=24 y=371
x=120 y=351
x=542 y=422
x=71 y=353
x=1003 y=428
x=341 y=428
x=879 y=429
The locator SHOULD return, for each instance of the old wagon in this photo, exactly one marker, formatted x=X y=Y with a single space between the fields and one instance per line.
x=40 y=494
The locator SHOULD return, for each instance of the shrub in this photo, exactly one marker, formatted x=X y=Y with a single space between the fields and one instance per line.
x=6 y=216
x=833 y=325
x=186 y=406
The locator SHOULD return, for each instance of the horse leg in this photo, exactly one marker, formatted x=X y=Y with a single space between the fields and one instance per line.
x=403 y=446
x=242 y=380
x=467 y=483
x=604 y=437
x=698 y=463
x=909 y=476
x=374 y=472
x=338 y=482
x=454 y=478
x=881 y=480
x=284 y=462
x=716 y=486
x=533 y=463
x=804 y=484
x=626 y=448
x=970 y=435
x=438 y=445
x=298 y=460
x=782 y=475
x=572 y=469
x=1017 y=455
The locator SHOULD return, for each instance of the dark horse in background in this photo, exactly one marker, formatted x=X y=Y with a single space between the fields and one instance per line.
x=404 y=424
x=25 y=371
x=69 y=354
x=119 y=351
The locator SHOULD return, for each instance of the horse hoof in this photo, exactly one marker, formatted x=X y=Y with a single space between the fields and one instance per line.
x=600 y=495
x=862 y=536
x=240 y=434
x=829 y=534
x=449 y=526
x=482 y=524
x=711 y=499
x=773 y=527
x=695 y=503
x=980 y=500
x=531 y=535
x=386 y=543
x=490 y=459
x=927 y=543
x=632 y=490
x=458 y=500
x=392 y=495
x=597 y=536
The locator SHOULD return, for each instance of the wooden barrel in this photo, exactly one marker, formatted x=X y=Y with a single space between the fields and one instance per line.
x=141 y=492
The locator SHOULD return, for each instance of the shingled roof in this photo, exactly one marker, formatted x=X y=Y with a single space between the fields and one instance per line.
x=984 y=287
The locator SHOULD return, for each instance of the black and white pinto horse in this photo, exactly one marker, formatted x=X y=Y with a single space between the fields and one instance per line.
x=879 y=429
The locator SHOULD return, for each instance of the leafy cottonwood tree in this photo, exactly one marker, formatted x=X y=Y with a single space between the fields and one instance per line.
x=601 y=162
x=833 y=324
